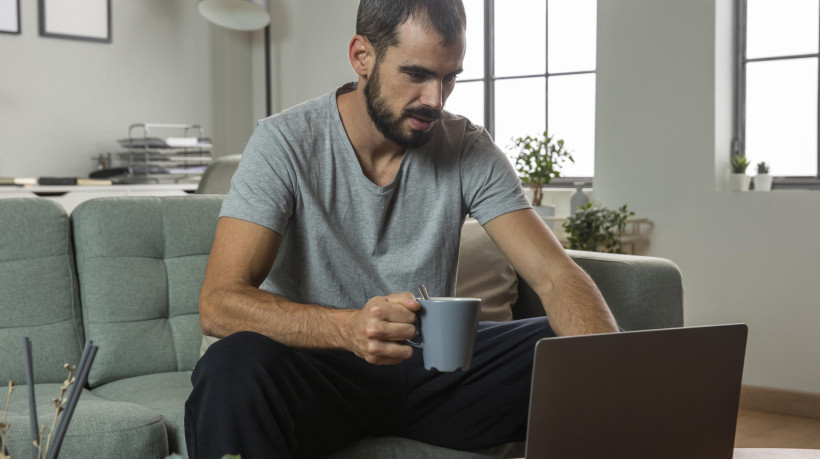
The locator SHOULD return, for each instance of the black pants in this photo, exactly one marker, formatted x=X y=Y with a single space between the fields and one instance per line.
x=256 y=397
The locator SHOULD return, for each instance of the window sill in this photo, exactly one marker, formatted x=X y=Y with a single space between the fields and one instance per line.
x=796 y=183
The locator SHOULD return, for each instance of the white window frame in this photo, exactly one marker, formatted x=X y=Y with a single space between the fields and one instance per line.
x=489 y=80
x=739 y=141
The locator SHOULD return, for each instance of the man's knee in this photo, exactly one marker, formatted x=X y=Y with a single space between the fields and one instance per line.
x=239 y=355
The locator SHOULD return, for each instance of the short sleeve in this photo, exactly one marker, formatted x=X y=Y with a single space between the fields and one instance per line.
x=490 y=185
x=263 y=189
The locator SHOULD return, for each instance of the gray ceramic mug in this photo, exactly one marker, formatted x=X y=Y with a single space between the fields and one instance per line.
x=446 y=331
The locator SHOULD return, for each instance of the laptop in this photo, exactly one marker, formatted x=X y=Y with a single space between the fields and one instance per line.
x=670 y=393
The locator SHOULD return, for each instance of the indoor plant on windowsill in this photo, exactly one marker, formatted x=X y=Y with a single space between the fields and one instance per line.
x=538 y=162
x=738 y=180
x=597 y=228
x=763 y=181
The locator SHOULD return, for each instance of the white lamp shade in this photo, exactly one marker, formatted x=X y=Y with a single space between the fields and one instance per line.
x=236 y=14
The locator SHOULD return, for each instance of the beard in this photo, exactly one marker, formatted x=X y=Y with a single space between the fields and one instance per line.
x=388 y=123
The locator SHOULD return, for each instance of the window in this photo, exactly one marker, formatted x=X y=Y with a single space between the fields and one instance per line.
x=530 y=67
x=777 y=87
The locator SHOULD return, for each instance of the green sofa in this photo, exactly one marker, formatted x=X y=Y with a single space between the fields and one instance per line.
x=126 y=272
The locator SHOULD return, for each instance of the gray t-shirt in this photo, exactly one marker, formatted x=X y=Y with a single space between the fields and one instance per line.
x=346 y=239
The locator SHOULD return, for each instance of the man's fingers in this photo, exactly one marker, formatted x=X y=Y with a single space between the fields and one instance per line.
x=387 y=352
x=390 y=331
x=391 y=310
x=406 y=299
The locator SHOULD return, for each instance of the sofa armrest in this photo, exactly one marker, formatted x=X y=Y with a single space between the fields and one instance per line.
x=642 y=292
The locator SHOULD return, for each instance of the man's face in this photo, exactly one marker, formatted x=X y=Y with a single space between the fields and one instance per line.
x=406 y=91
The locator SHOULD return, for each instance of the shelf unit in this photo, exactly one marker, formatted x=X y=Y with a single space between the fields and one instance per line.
x=165 y=153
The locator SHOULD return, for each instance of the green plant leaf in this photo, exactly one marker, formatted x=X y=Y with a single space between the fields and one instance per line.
x=540 y=158
x=593 y=228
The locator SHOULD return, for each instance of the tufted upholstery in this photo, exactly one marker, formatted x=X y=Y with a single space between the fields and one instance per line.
x=147 y=257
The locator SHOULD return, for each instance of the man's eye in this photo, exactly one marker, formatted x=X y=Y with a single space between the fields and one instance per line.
x=416 y=76
x=450 y=78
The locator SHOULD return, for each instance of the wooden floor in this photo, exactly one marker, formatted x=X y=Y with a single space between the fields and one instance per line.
x=758 y=429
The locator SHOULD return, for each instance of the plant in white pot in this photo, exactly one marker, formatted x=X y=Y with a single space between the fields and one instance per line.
x=538 y=162
x=738 y=180
x=763 y=181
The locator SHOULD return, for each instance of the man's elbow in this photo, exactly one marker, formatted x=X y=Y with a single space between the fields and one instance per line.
x=206 y=312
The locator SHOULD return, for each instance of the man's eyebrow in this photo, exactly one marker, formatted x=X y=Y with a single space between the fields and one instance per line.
x=424 y=70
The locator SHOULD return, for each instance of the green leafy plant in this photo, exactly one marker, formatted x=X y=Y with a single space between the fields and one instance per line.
x=538 y=161
x=738 y=164
x=597 y=229
x=762 y=168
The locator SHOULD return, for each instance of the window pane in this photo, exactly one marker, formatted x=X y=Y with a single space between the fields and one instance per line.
x=474 y=59
x=519 y=110
x=781 y=27
x=572 y=35
x=572 y=118
x=781 y=115
x=520 y=37
x=467 y=99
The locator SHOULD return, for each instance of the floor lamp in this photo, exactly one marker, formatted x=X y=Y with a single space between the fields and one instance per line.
x=244 y=15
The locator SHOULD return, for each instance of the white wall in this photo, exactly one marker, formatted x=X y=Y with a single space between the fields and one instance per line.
x=63 y=102
x=663 y=130
x=663 y=126
x=309 y=48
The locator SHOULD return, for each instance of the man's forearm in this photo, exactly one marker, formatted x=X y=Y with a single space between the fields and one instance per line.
x=229 y=309
x=574 y=304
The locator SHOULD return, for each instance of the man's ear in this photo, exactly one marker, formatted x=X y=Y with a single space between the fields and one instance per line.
x=361 y=55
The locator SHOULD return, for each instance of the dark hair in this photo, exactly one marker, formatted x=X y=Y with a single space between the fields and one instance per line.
x=379 y=20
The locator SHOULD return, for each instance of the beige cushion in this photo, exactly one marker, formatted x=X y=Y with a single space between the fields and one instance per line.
x=484 y=272
x=206 y=343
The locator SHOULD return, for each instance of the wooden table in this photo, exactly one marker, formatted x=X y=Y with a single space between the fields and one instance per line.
x=776 y=453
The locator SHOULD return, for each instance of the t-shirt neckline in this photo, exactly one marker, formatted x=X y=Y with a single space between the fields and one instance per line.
x=351 y=153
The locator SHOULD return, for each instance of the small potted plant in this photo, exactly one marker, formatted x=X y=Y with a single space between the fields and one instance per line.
x=738 y=180
x=763 y=181
x=538 y=162
x=597 y=229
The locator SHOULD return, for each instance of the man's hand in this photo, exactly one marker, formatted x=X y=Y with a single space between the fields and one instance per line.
x=377 y=331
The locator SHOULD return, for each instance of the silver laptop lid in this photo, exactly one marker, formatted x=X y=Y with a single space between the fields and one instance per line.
x=669 y=393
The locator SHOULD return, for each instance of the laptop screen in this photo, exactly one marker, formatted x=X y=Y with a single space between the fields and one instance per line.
x=670 y=393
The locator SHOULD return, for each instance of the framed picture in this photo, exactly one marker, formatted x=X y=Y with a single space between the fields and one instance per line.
x=10 y=16
x=76 y=19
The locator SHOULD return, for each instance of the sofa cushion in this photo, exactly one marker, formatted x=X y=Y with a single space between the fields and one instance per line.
x=141 y=262
x=642 y=292
x=38 y=290
x=162 y=393
x=484 y=272
x=98 y=428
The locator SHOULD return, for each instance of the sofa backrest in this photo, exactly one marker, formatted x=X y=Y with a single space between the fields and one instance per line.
x=642 y=292
x=140 y=263
x=38 y=291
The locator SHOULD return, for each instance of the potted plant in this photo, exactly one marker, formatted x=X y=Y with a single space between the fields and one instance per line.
x=738 y=180
x=763 y=181
x=597 y=229
x=538 y=162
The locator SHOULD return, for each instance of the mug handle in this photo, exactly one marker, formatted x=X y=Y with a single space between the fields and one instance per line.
x=420 y=343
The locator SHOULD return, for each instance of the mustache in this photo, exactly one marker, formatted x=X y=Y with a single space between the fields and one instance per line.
x=423 y=112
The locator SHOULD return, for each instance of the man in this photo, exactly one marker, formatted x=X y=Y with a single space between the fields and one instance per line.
x=337 y=206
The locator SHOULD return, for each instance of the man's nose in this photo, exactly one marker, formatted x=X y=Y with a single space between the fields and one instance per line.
x=432 y=96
